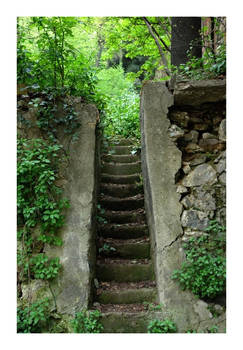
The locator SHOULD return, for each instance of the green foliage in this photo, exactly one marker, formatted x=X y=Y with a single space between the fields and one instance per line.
x=38 y=198
x=210 y=66
x=87 y=322
x=121 y=113
x=43 y=268
x=32 y=318
x=39 y=205
x=48 y=120
x=204 y=271
x=166 y=326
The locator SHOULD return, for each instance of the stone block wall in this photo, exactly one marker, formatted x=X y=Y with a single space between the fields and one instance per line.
x=199 y=131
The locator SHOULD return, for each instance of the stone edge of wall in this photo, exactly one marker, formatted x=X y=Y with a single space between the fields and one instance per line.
x=163 y=209
x=195 y=93
x=73 y=287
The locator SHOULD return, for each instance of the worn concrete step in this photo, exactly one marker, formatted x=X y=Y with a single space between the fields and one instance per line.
x=124 y=271
x=120 y=149
x=116 y=158
x=138 y=248
x=127 y=296
x=121 y=142
x=123 y=231
x=121 y=168
x=128 y=322
x=121 y=190
x=128 y=203
x=123 y=217
x=120 y=179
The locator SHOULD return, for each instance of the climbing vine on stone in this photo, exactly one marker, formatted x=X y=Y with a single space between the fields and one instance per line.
x=39 y=216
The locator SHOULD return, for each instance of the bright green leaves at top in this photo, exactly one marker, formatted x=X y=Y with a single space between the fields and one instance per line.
x=131 y=35
x=121 y=115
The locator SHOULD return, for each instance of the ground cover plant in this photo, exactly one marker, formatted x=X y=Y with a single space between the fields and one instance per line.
x=204 y=270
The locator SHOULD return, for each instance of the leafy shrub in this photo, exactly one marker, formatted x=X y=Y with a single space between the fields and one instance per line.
x=204 y=271
x=38 y=199
x=121 y=112
x=87 y=322
x=166 y=326
x=208 y=67
x=32 y=318
x=43 y=268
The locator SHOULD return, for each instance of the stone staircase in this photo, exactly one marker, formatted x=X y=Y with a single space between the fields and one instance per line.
x=124 y=269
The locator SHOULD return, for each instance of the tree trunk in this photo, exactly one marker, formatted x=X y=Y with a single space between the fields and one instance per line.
x=185 y=31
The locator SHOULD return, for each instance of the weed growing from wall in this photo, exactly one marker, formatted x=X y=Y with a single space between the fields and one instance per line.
x=204 y=271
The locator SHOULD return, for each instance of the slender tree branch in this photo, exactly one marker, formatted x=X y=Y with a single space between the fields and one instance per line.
x=162 y=55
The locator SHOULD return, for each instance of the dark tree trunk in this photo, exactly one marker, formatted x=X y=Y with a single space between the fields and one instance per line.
x=185 y=30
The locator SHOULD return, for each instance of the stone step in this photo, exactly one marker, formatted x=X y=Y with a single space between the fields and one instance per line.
x=121 y=142
x=120 y=158
x=120 y=179
x=128 y=203
x=121 y=168
x=128 y=322
x=123 y=231
x=127 y=296
x=124 y=271
x=138 y=248
x=121 y=190
x=120 y=150
x=123 y=217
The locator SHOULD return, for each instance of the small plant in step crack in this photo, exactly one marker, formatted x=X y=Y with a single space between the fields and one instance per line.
x=166 y=326
x=152 y=306
x=87 y=322
x=99 y=218
x=106 y=249
x=213 y=329
x=191 y=331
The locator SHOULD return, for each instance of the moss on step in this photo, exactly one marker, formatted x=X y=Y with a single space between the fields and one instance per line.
x=120 y=179
x=127 y=296
x=127 y=272
x=122 y=217
x=122 y=158
x=133 y=250
x=124 y=322
x=123 y=231
x=129 y=203
x=120 y=150
x=121 y=190
x=121 y=168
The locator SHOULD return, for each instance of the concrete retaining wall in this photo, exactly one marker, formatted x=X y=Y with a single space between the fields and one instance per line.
x=73 y=287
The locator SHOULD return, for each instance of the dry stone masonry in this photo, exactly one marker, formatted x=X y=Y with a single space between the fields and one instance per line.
x=200 y=117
